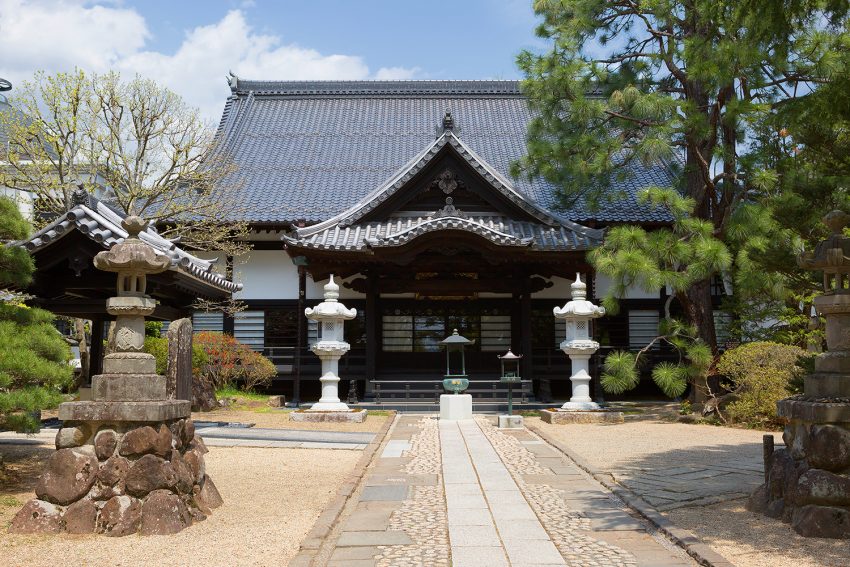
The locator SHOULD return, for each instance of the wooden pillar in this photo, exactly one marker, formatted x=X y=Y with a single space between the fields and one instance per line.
x=96 y=352
x=301 y=336
x=372 y=319
x=525 y=334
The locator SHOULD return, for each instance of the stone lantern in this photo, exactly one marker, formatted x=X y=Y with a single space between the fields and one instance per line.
x=807 y=482
x=128 y=460
x=578 y=345
x=330 y=314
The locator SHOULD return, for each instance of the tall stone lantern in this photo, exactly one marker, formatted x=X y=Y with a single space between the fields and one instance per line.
x=330 y=314
x=577 y=315
x=128 y=460
x=807 y=483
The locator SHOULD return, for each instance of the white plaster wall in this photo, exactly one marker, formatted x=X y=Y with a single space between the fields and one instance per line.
x=267 y=274
x=220 y=266
x=603 y=283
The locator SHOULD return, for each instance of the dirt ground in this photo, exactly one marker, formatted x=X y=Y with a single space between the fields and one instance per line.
x=272 y=497
x=261 y=415
x=744 y=538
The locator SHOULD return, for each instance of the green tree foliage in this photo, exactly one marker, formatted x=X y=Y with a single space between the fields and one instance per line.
x=758 y=375
x=158 y=347
x=34 y=356
x=687 y=85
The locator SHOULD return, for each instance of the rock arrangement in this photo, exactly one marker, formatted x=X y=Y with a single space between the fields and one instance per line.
x=128 y=460
x=118 y=479
x=807 y=483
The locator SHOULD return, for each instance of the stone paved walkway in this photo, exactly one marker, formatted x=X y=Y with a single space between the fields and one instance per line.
x=467 y=494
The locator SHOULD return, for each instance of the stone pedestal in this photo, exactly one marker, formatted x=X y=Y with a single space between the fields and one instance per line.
x=807 y=483
x=454 y=407
x=128 y=460
x=563 y=417
x=510 y=421
x=347 y=416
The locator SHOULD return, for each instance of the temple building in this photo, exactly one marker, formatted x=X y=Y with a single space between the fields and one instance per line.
x=401 y=190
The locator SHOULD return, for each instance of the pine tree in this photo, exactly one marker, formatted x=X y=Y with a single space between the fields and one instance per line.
x=34 y=356
x=695 y=87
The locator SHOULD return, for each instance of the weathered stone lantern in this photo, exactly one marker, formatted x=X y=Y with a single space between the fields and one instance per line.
x=330 y=314
x=128 y=460
x=579 y=346
x=455 y=406
x=510 y=376
x=807 y=483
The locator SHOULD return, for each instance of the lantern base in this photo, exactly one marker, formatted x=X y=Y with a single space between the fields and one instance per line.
x=329 y=406
x=455 y=407
x=580 y=406
x=562 y=417
x=510 y=421
x=348 y=416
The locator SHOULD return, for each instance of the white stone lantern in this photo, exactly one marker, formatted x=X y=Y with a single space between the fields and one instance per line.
x=330 y=347
x=578 y=345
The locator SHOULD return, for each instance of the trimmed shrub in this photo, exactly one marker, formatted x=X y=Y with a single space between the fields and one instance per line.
x=158 y=346
x=760 y=374
x=229 y=361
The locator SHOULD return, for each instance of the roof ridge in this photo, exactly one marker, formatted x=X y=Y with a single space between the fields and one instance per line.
x=417 y=87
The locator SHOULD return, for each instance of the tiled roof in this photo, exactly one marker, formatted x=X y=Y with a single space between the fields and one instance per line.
x=399 y=231
x=311 y=150
x=103 y=225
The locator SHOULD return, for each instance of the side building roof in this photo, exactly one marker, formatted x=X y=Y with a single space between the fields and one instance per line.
x=310 y=150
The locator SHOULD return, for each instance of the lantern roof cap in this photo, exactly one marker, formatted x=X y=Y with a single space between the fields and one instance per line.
x=456 y=339
x=510 y=356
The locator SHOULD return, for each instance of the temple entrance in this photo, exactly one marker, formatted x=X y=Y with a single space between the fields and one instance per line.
x=411 y=331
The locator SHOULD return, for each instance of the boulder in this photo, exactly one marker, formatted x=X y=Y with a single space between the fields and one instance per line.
x=203 y=394
x=776 y=509
x=139 y=441
x=69 y=437
x=799 y=440
x=148 y=474
x=185 y=476
x=163 y=443
x=817 y=486
x=120 y=516
x=81 y=517
x=757 y=502
x=188 y=431
x=104 y=444
x=68 y=476
x=110 y=479
x=197 y=441
x=208 y=496
x=821 y=521
x=164 y=513
x=829 y=448
x=195 y=459
x=37 y=517
x=177 y=432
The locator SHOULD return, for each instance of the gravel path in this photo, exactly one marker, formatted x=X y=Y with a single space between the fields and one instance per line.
x=744 y=538
x=272 y=497
x=279 y=419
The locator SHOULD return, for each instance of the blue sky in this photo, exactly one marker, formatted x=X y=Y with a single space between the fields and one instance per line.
x=190 y=45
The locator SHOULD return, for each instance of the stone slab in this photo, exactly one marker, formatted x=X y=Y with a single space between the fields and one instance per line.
x=353 y=416
x=395 y=448
x=510 y=422
x=566 y=417
x=366 y=538
x=819 y=412
x=368 y=520
x=399 y=478
x=469 y=517
x=466 y=536
x=455 y=407
x=129 y=387
x=480 y=556
x=125 y=411
x=354 y=553
x=385 y=493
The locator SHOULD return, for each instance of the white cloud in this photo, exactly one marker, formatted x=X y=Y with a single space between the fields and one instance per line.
x=57 y=35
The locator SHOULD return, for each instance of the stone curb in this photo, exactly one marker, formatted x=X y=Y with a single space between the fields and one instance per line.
x=330 y=515
x=693 y=546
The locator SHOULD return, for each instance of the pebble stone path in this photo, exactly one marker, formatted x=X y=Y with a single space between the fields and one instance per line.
x=466 y=494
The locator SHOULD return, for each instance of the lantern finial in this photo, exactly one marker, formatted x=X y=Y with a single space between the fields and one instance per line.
x=578 y=288
x=331 y=290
